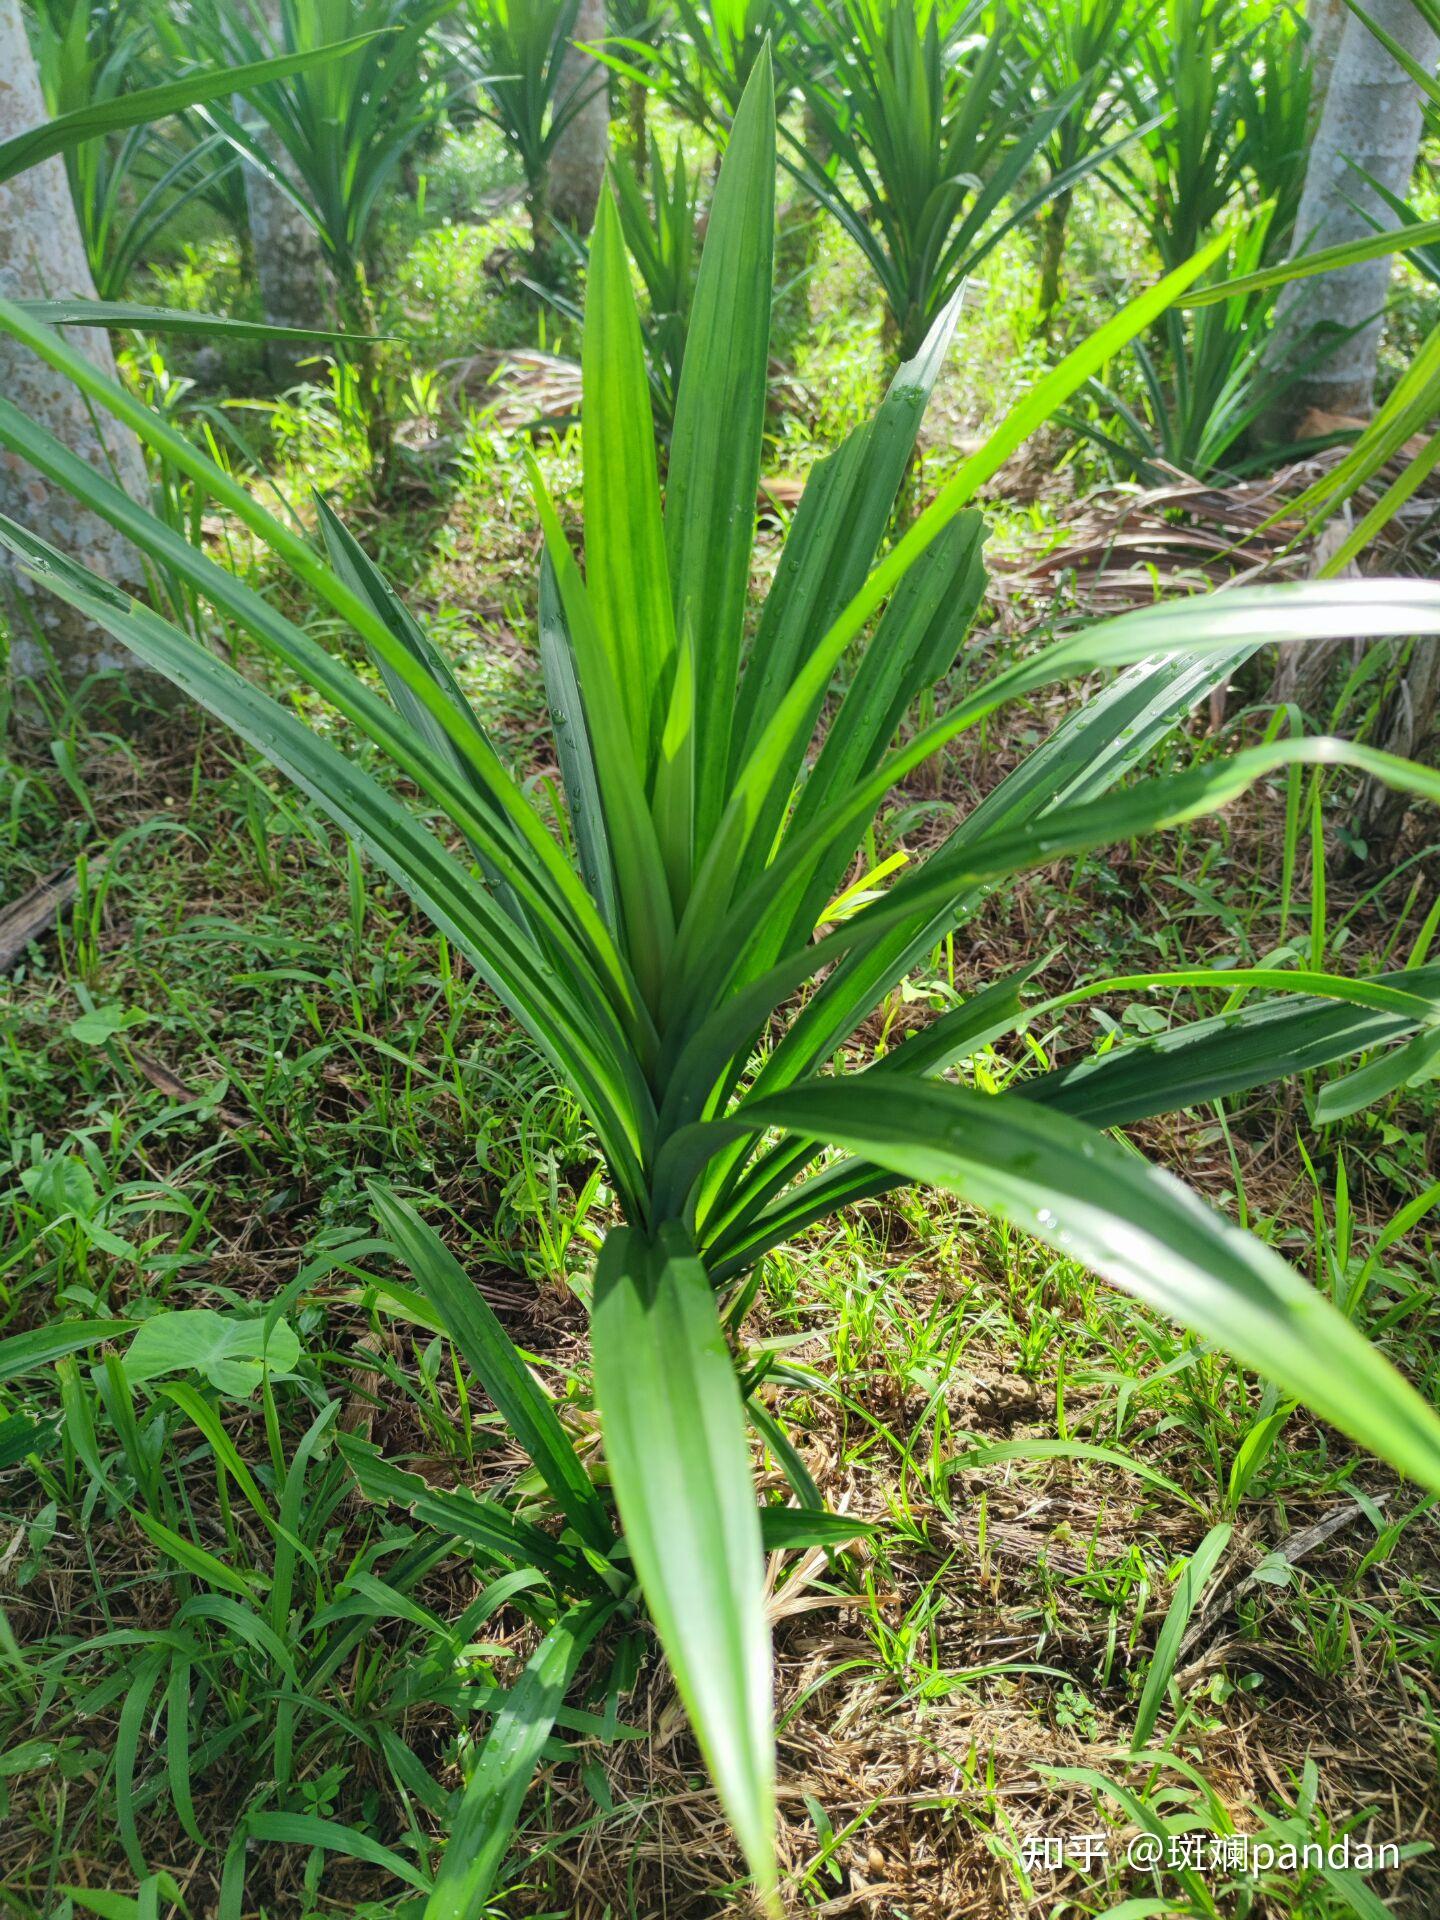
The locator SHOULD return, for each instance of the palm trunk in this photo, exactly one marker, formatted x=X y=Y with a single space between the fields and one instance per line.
x=1052 y=250
x=1326 y=21
x=359 y=317
x=542 y=223
x=297 y=288
x=1371 y=120
x=42 y=256
x=577 y=160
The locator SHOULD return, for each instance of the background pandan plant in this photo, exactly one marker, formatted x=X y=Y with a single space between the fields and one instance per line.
x=1200 y=397
x=332 y=137
x=1221 y=97
x=340 y=129
x=529 y=90
x=128 y=185
x=685 y=971
x=1079 y=49
x=920 y=131
x=702 y=69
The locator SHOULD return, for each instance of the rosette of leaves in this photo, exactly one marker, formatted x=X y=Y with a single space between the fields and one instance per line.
x=674 y=953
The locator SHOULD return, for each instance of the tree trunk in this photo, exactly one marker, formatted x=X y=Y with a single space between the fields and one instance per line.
x=637 y=126
x=297 y=288
x=577 y=160
x=1052 y=249
x=42 y=256
x=1326 y=21
x=1371 y=116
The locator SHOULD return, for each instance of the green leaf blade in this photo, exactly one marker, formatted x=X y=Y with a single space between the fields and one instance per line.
x=719 y=426
x=625 y=565
x=493 y=1358
x=70 y=130
x=674 y=1429
x=1136 y=1226
x=512 y=1750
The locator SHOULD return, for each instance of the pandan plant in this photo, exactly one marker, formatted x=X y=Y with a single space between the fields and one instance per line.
x=920 y=128
x=1079 y=49
x=332 y=138
x=531 y=89
x=678 y=956
x=701 y=59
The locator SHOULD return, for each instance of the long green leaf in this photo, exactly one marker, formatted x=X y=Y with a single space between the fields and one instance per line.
x=355 y=567
x=1251 y=1047
x=1090 y=749
x=1230 y=1052
x=492 y=1356
x=574 y=748
x=642 y=885
x=625 y=567
x=952 y=875
x=1346 y=253
x=309 y=1830
x=674 y=1428
x=155 y=103
x=1135 y=1225
x=838 y=526
x=719 y=422
x=461 y=782
x=128 y=313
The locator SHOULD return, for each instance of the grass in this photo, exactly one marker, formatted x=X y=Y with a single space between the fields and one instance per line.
x=236 y=1024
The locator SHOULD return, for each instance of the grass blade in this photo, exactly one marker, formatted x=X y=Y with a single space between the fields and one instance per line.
x=1189 y=1591
x=511 y=1752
